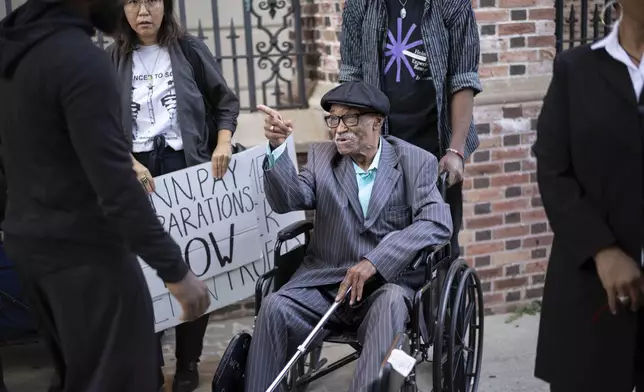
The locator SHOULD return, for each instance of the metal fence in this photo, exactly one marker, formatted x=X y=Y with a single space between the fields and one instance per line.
x=579 y=22
x=257 y=43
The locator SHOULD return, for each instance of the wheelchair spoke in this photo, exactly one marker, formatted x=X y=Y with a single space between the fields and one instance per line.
x=458 y=367
x=458 y=327
x=465 y=334
x=467 y=316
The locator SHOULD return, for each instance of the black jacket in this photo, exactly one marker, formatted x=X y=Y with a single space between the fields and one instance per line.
x=71 y=187
x=3 y=194
x=589 y=168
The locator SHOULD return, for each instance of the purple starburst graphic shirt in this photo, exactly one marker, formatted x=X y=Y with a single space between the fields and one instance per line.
x=399 y=50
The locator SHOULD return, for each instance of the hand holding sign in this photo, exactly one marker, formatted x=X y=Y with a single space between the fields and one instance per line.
x=143 y=175
x=276 y=129
x=221 y=158
x=193 y=296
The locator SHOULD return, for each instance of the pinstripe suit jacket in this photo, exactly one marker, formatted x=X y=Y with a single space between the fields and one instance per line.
x=404 y=197
x=450 y=34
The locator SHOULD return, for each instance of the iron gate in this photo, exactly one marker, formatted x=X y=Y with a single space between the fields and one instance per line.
x=259 y=48
x=579 y=22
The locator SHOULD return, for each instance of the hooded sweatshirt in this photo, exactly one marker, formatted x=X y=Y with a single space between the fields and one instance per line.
x=72 y=192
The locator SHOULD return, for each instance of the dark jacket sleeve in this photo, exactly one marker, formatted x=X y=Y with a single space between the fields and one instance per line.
x=351 y=41
x=3 y=189
x=463 y=44
x=225 y=102
x=90 y=99
x=112 y=50
x=576 y=223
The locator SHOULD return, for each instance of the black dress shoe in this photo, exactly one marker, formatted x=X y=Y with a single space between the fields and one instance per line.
x=186 y=379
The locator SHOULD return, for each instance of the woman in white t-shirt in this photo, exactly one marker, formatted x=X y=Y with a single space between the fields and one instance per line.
x=165 y=118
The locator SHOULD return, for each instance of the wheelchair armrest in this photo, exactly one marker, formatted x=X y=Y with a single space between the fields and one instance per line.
x=259 y=287
x=283 y=269
x=428 y=255
x=294 y=229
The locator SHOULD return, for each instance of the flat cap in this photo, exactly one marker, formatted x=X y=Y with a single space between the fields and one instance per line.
x=356 y=94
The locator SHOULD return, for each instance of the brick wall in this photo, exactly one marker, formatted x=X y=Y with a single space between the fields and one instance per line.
x=322 y=23
x=517 y=37
x=505 y=233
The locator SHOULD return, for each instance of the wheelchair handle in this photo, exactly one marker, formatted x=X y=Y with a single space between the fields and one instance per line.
x=443 y=184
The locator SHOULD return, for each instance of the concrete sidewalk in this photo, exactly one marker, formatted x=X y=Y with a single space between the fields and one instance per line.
x=507 y=365
x=508 y=360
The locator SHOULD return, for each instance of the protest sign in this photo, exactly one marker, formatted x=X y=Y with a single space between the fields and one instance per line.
x=270 y=222
x=225 y=228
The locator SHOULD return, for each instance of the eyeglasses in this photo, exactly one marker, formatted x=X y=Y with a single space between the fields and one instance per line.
x=135 y=5
x=350 y=120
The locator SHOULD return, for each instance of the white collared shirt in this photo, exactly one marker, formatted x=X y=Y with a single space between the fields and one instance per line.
x=616 y=51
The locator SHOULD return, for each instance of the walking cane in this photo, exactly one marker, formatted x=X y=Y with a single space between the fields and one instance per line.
x=301 y=350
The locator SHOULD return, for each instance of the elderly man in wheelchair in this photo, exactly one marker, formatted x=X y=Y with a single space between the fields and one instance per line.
x=380 y=222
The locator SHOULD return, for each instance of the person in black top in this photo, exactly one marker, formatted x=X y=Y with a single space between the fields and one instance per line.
x=590 y=138
x=76 y=214
x=408 y=80
x=424 y=56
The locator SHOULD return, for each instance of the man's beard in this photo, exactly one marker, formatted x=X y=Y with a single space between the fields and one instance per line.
x=105 y=15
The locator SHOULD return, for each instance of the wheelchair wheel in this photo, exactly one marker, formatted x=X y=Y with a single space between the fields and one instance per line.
x=448 y=293
x=465 y=338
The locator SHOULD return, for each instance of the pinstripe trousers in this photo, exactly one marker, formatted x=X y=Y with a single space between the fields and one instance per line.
x=287 y=316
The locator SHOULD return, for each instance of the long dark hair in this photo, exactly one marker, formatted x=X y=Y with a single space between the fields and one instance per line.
x=169 y=31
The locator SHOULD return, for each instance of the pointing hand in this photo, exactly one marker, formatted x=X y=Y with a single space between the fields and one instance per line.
x=276 y=130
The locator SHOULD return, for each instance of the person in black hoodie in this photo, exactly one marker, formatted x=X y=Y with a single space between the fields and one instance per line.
x=76 y=214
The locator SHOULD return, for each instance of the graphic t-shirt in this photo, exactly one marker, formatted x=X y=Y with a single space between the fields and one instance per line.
x=154 y=101
x=408 y=80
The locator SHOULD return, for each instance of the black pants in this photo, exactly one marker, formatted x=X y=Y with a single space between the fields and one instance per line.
x=188 y=336
x=95 y=311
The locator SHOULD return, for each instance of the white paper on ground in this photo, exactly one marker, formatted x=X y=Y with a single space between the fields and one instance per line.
x=401 y=362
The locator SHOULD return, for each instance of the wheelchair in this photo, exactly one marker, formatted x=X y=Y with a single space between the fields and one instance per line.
x=445 y=328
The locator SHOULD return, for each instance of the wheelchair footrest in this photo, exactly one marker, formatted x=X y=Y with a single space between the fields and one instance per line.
x=317 y=366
